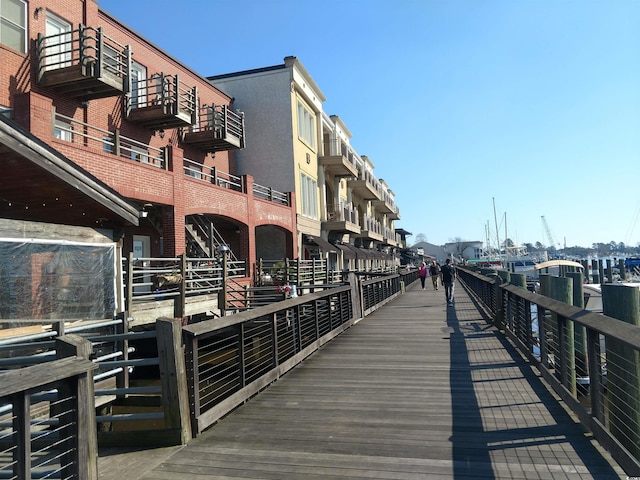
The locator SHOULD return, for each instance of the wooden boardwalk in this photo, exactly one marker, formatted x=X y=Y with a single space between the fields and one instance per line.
x=417 y=390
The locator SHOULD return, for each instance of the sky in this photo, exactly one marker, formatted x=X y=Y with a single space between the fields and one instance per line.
x=482 y=116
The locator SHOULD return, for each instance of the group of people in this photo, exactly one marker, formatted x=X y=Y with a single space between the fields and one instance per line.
x=445 y=273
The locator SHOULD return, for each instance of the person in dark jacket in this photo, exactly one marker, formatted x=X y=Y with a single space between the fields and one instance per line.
x=448 y=276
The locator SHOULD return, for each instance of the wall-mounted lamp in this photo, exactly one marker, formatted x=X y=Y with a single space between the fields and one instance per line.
x=37 y=12
x=161 y=132
x=144 y=213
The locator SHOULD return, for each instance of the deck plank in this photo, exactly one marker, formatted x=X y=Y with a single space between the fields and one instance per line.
x=416 y=390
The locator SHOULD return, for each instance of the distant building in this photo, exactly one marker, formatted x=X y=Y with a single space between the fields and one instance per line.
x=463 y=250
x=430 y=250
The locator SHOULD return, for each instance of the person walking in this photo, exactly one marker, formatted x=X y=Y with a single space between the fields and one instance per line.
x=448 y=275
x=434 y=271
x=422 y=273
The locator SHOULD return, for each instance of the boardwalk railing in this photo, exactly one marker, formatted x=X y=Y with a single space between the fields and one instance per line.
x=47 y=419
x=591 y=360
x=231 y=359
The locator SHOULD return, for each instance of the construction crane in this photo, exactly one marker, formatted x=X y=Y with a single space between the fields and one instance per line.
x=547 y=230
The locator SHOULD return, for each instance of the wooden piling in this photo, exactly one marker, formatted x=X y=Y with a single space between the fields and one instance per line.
x=562 y=290
x=545 y=284
x=519 y=280
x=505 y=275
x=580 y=332
x=623 y=367
x=621 y=269
x=609 y=270
x=601 y=270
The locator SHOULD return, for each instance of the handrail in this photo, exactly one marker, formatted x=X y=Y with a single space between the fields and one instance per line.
x=213 y=175
x=29 y=449
x=268 y=193
x=591 y=360
x=108 y=142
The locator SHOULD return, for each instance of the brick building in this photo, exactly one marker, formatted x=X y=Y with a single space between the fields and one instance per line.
x=153 y=138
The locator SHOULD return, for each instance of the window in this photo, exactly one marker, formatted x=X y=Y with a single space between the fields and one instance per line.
x=140 y=155
x=107 y=144
x=63 y=131
x=309 y=196
x=13 y=24
x=192 y=169
x=306 y=126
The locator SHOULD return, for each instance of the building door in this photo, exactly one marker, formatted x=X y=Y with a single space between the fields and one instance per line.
x=141 y=254
x=138 y=85
x=58 y=46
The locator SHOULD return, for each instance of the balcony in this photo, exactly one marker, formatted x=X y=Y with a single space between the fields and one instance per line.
x=83 y=64
x=162 y=101
x=387 y=206
x=218 y=129
x=337 y=161
x=371 y=229
x=341 y=219
x=391 y=238
x=365 y=186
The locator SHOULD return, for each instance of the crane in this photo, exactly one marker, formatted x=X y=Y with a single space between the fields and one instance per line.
x=547 y=230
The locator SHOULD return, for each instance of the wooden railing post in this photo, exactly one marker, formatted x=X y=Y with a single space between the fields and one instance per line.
x=173 y=377
x=85 y=453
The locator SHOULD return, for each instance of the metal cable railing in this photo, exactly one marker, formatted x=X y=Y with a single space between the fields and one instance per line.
x=591 y=360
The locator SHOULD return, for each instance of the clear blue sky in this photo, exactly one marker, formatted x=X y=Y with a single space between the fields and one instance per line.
x=533 y=103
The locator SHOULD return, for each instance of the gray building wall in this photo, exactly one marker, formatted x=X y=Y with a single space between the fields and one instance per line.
x=265 y=99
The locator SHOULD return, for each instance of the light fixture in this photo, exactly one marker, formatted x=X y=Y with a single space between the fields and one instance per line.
x=161 y=132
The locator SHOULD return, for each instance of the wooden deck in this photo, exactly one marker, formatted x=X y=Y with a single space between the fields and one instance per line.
x=417 y=390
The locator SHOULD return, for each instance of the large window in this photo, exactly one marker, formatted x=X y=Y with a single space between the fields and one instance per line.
x=306 y=126
x=13 y=24
x=309 y=196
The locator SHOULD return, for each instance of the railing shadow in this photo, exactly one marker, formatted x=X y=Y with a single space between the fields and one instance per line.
x=481 y=447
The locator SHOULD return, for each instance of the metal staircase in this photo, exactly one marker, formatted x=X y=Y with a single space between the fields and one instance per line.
x=205 y=238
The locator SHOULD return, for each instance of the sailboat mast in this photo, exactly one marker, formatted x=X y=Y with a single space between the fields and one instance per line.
x=495 y=219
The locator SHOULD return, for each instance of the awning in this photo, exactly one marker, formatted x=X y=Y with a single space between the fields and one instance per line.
x=322 y=243
x=347 y=253
x=51 y=188
x=356 y=251
x=366 y=253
